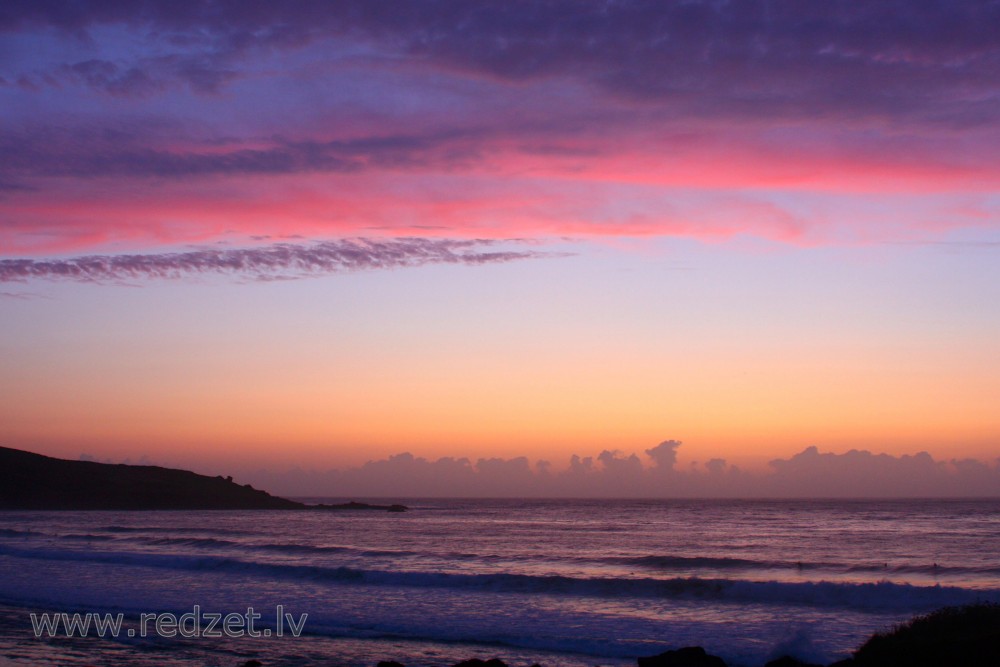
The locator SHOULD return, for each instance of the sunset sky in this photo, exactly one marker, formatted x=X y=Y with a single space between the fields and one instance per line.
x=317 y=234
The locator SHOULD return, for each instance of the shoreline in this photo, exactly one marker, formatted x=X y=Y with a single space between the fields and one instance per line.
x=19 y=648
x=965 y=636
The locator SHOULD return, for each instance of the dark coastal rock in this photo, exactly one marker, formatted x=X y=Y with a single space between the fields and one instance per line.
x=961 y=636
x=690 y=656
x=360 y=506
x=476 y=662
x=389 y=663
x=789 y=661
x=253 y=663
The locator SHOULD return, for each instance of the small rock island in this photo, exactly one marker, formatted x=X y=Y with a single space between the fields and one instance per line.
x=31 y=481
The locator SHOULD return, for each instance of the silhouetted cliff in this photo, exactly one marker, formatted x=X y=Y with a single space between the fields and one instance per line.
x=35 y=482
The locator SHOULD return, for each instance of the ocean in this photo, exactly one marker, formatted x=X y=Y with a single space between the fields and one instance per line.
x=563 y=583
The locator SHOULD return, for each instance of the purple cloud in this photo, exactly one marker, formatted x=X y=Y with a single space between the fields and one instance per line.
x=91 y=153
x=272 y=262
x=808 y=474
x=936 y=60
x=479 y=103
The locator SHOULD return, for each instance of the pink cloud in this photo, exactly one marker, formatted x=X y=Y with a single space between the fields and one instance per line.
x=797 y=123
x=121 y=213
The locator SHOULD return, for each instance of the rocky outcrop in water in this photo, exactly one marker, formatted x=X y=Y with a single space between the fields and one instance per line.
x=690 y=656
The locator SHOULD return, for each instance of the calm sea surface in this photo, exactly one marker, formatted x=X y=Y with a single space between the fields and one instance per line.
x=564 y=583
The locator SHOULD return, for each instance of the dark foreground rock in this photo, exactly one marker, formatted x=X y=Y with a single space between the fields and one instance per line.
x=960 y=636
x=476 y=662
x=691 y=656
x=789 y=661
x=951 y=637
x=473 y=662
x=31 y=481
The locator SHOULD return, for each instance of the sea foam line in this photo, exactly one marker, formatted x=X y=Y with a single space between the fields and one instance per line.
x=872 y=595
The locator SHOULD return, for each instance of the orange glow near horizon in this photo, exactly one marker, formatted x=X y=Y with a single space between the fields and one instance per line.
x=503 y=397
x=347 y=244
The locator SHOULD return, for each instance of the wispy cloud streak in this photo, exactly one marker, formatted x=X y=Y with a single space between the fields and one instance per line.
x=279 y=261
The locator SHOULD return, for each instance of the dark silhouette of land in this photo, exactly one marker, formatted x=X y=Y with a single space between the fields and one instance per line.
x=951 y=637
x=966 y=636
x=31 y=481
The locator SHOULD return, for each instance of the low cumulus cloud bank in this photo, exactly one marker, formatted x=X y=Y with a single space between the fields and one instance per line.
x=613 y=474
x=271 y=262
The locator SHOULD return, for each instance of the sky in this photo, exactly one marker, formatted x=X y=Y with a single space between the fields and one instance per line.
x=304 y=236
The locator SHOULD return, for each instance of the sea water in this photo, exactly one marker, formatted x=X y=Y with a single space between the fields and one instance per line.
x=566 y=583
